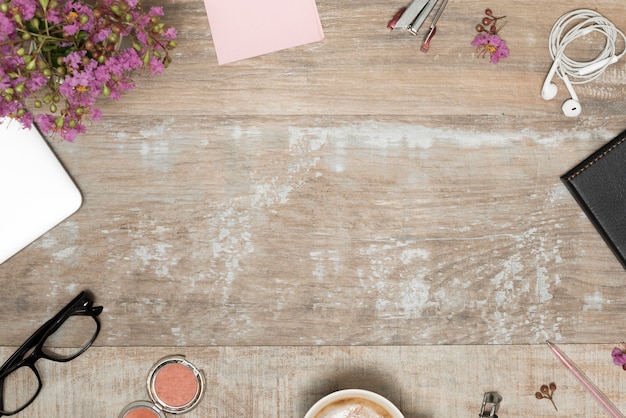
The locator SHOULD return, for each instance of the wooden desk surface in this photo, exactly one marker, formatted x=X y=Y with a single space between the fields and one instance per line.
x=347 y=213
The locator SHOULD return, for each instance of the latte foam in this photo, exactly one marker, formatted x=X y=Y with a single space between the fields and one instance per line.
x=353 y=408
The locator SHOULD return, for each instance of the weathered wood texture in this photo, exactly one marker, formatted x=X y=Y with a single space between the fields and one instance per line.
x=350 y=192
x=353 y=191
x=283 y=382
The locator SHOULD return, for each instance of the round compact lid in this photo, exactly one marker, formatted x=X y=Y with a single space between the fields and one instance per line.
x=142 y=409
x=175 y=385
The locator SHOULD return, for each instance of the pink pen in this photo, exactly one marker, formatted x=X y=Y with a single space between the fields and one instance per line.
x=587 y=384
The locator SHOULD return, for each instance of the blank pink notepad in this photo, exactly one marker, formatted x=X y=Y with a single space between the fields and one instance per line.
x=247 y=28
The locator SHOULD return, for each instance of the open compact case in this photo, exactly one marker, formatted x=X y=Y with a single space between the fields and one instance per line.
x=175 y=386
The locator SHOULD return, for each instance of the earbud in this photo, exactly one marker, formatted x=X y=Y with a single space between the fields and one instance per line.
x=571 y=107
x=549 y=89
x=548 y=92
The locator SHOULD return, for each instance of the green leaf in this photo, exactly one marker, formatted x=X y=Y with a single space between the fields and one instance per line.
x=44 y=3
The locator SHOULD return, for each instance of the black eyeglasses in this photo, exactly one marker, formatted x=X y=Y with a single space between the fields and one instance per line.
x=63 y=338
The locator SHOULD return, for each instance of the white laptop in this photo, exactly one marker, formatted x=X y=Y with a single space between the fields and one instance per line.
x=36 y=193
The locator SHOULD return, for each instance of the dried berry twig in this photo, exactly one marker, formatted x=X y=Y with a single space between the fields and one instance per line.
x=547 y=392
x=489 y=22
x=487 y=41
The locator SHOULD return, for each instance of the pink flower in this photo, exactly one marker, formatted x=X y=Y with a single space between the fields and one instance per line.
x=45 y=123
x=619 y=357
x=7 y=27
x=36 y=81
x=156 y=66
x=87 y=61
x=155 y=11
x=26 y=8
x=170 y=34
x=96 y=114
x=491 y=44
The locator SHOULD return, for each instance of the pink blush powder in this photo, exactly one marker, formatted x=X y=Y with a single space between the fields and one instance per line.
x=141 y=413
x=175 y=385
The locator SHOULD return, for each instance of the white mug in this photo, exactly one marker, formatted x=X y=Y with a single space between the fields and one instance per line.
x=359 y=402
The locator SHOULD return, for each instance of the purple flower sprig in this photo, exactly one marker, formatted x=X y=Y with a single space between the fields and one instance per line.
x=58 y=56
x=619 y=356
x=492 y=45
x=488 y=42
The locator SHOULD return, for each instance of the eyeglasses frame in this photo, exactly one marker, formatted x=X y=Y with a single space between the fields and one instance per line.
x=80 y=305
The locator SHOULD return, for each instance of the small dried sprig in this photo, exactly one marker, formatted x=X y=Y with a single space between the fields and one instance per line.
x=547 y=392
x=489 y=23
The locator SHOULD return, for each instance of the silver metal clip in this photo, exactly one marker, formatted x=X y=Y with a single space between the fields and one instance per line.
x=491 y=402
x=414 y=15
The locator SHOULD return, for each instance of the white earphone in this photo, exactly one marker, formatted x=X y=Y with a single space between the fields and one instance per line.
x=580 y=72
x=571 y=108
x=549 y=89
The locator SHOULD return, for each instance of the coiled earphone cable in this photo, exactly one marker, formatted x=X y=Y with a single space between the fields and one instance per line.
x=585 y=21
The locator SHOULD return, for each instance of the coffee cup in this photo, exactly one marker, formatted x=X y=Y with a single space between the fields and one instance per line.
x=354 y=403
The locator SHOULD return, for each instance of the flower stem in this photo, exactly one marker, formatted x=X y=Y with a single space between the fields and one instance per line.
x=503 y=25
x=553 y=404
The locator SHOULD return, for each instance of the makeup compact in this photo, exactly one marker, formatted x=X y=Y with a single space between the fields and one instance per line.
x=175 y=386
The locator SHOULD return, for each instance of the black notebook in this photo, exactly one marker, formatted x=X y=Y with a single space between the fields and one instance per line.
x=599 y=185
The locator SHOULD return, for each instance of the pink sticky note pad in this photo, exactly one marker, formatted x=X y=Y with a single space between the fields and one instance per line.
x=248 y=28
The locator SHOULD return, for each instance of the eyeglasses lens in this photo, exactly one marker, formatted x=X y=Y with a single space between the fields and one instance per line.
x=19 y=388
x=76 y=334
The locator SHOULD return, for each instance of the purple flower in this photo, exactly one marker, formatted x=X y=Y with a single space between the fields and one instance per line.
x=27 y=120
x=96 y=114
x=26 y=8
x=48 y=125
x=7 y=27
x=36 y=81
x=101 y=35
x=170 y=34
x=55 y=16
x=155 y=11
x=490 y=44
x=74 y=59
x=5 y=82
x=45 y=123
x=156 y=66
x=72 y=28
x=74 y=12
x=619 y=357
x=83 y=63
